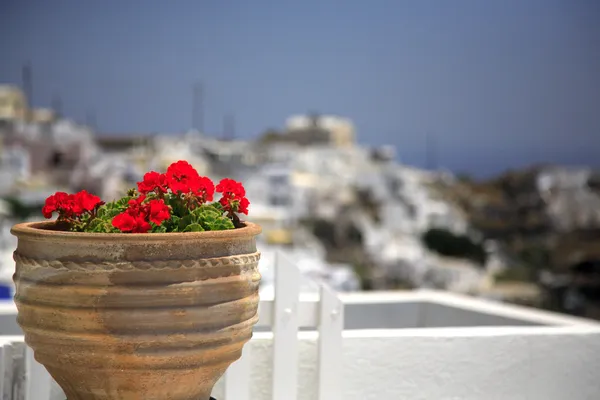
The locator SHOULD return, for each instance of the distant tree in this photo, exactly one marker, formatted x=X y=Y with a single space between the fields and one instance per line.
x=364 y=275
x=516 y=273
x=309 y=136
x=325 y=232
x=464 y=177
x=448 y=244
x=368 y=203
x=535 y=256
x=354 y=235
x=271 y=136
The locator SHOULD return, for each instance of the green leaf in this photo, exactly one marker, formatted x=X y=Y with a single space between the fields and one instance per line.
x=210 y=218
x=99 y=228
x=122 y=203
x=185 y=221
x=193 y=228
x=159 y=229
x=220 y=223
x=177 y=206
x=223 y=223
x=113 y=213
x=206 y=209
x=172 y=224
x=217 y=206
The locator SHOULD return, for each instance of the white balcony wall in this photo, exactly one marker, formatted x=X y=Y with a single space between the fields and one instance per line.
x=535 y=363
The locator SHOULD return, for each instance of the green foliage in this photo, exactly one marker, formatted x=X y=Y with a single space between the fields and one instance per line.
x=102 y=223
x=159 y=228
x=178 y=207
x=535 y=256
x=517 y=273
x=364 y=274
x=324 y=231
x=464 y=177
x=185 y=216
x=217 y=206
x=531 y=259
x=211 y=219
x=203 y=218
x=207 y=217
x=272 y=136
x=448 y=244
x=195 y=227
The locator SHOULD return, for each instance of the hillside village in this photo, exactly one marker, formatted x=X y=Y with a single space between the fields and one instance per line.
x=347 y=214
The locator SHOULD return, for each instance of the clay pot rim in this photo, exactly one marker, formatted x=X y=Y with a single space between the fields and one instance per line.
x=41 y=230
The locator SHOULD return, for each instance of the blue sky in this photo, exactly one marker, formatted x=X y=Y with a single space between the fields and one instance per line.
x=499 y=84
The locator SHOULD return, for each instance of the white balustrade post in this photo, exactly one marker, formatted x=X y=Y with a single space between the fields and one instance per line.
x=19 y=378
x=38 y=381
x=237 y=378
x=331 y=326
x=6 y=370
x=285 y=330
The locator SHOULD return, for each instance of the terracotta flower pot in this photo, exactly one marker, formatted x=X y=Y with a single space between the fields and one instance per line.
x=136 y=316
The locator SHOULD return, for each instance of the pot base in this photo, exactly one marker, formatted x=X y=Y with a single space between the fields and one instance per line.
x=148 y=385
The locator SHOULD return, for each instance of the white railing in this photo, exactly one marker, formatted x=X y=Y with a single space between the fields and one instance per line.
x=25 y=379
x=285 y=315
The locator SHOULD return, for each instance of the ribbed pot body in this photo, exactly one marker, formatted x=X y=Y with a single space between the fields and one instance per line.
x=136 y=316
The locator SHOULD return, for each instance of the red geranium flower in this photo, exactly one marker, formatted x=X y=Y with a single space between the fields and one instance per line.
x=203 y=188
x=141 y=225
x=233 y=196
x=125 y=222
x=158 y=211
x=243 y=207
x=231 y=204
x=138 y=215
x=180 y=176
x=231 y=187
x=70 y=205
x=135 y=205
x=57 y=202
x=153 y=181
x=85 y=201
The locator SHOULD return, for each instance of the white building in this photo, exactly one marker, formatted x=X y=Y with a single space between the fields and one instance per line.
x=570 y=202
x=16 y=161
x=341 y=130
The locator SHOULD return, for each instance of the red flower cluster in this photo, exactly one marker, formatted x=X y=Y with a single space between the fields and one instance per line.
x=70 y=206
x=234 y=196
x=137 y=217
x=180 y=178
x=169 y=202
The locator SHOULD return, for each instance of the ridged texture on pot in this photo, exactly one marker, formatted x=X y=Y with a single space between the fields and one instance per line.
x=136 y=316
